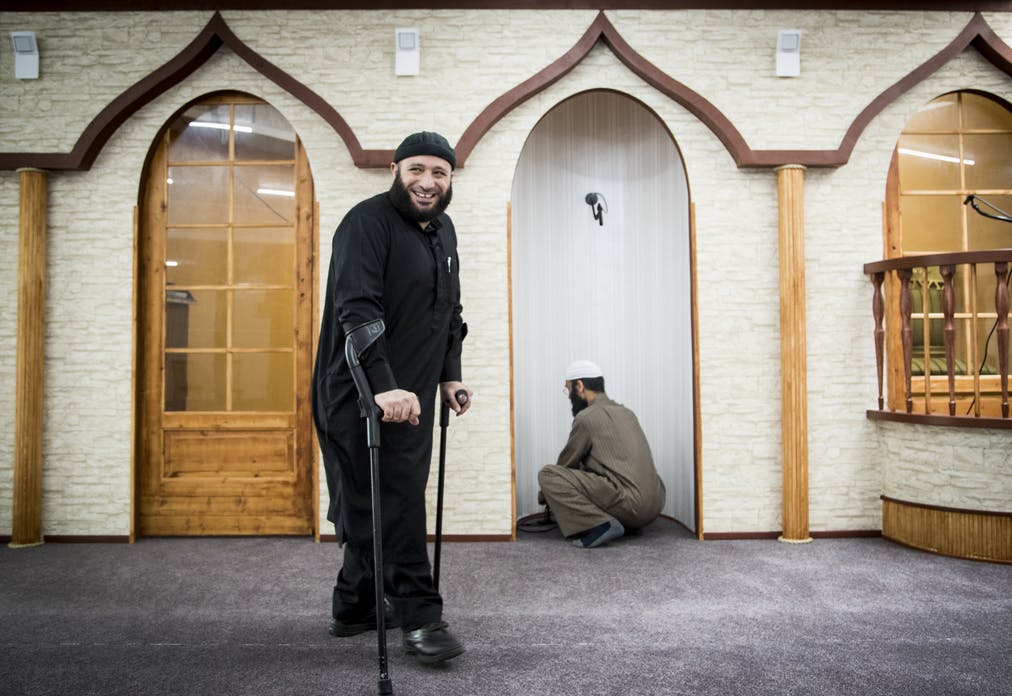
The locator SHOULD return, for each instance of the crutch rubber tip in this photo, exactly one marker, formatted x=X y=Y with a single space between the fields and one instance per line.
x=386 y=687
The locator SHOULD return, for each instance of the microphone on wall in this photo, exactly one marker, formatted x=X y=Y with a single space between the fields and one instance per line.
x=597 y=199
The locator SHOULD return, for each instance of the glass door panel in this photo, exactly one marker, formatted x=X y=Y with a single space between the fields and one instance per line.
x=987 y=233
x=189 y=203
x=936 y=219
x=263 y=382
x=263 y=319
x=202 y=322
x=195 y=382
x=196 y=256
x=200 y=134
x=981 y=113
x=261 y=133
x=264 y=256
x=264 y=195
x=929 y=162
x=989 y=154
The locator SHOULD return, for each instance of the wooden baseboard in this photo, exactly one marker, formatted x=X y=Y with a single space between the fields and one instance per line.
x=848 y=534
x=711 y=536
x=738 y=536
x=77 y=539
x=832 y=534
x=972 y=534
x=125 y=539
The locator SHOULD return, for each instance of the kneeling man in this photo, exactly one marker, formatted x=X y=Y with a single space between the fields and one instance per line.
x=604 y=480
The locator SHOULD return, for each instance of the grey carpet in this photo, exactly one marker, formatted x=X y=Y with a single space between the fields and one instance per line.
x=658 y=613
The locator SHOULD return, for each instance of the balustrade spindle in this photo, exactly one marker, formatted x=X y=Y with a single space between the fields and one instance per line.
x=1001 y=307
x=926 y=347
x=972 y=335
x=972 y=379
x=949 y=332
x=878 y=311
x=904 y=275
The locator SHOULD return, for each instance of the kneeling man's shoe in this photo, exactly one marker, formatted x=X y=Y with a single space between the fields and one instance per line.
x=432 y=643
x=601 y=534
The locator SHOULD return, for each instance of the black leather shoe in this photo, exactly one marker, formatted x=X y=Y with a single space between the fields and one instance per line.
x=353 y=627
x=432 y=643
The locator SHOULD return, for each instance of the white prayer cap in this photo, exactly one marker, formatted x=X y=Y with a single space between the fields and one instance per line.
x=582 y=369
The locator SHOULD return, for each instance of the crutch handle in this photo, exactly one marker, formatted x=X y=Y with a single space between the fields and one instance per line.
x=358 y=339
x=444 y=408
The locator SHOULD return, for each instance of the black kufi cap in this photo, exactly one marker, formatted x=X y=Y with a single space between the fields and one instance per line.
x=426 y=143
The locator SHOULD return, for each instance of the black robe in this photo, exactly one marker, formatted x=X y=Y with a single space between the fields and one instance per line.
x=384 y=266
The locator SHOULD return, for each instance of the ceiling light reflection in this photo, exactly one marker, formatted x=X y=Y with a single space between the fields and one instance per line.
x=275 y=192
x=220 y=126
x=933 y=156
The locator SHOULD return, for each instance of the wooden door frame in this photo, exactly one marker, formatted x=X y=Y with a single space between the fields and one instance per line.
x=146 y=218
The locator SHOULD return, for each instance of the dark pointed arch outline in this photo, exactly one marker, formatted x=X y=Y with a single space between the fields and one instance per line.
x=216 y=33
x=602 y=30
x=976 y=33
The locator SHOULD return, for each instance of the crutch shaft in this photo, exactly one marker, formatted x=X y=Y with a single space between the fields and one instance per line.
x=444 y=420
x=385 y=686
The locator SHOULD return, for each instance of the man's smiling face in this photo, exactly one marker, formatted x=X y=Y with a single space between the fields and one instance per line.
x=422 y=186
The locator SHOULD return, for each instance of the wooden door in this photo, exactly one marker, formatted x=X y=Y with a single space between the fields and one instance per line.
x=225 y=326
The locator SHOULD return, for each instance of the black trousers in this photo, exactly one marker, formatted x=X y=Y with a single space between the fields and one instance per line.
x=405 y=454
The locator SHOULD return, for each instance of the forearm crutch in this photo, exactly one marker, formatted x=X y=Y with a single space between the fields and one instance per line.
x=360 y=338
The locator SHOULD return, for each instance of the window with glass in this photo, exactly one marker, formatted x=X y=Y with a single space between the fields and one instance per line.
x=957 y=146
x=230 y=259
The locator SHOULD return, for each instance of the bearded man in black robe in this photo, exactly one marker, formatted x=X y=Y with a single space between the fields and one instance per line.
x=394 y=258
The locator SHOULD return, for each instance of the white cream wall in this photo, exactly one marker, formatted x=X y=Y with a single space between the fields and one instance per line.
x=468 y=59
x=8 y=339
x=847 y=59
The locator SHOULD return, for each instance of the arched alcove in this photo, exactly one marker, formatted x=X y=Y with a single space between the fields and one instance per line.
x=615 y=290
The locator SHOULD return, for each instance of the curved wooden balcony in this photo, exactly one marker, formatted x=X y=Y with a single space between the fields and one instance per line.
x=961 y=377
x=944 y=320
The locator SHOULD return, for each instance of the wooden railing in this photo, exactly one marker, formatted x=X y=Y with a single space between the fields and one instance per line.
x=936 y=280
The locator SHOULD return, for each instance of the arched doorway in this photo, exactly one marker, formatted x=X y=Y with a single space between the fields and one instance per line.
x=615 y=288
x=225 y=325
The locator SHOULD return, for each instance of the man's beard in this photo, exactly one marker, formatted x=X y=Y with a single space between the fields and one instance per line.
x=578 y=402
x=401 y=199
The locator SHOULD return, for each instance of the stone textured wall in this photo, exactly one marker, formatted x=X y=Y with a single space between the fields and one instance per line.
x=969 y=470
x=469 y=58
x=8 y=339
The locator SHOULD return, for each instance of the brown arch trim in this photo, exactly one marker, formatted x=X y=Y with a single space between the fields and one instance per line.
x=977 y=34
x=603 y=30
x=215 y=35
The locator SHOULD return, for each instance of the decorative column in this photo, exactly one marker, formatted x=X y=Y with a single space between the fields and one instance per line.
x=793 y=361
x=27 y=522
